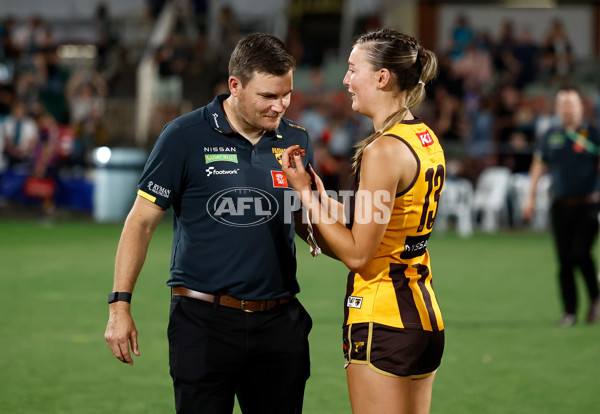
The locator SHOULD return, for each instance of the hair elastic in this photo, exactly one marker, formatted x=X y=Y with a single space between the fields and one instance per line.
x=422 y=83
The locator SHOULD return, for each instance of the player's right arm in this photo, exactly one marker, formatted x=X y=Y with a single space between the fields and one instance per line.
x=131 y=254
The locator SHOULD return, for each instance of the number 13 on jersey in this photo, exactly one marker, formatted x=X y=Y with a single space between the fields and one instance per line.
x=435 y=183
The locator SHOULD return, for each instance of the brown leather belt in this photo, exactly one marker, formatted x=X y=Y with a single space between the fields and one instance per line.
x=230 y=301
x=574 y=201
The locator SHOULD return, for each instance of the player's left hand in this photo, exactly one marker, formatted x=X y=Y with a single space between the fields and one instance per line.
x=292 y=167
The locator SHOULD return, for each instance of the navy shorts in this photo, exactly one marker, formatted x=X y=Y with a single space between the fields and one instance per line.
x=393 y=351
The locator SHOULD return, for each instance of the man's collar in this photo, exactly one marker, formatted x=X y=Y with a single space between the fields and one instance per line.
x=216 y=115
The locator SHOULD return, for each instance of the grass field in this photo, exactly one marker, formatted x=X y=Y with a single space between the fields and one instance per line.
x=504 y=352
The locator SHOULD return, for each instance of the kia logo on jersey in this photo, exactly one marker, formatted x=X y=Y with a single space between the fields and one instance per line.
x=425 y=138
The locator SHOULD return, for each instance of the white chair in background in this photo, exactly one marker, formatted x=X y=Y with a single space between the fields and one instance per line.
x=520 y=184
x=456 y=202
x=490 y=199
x=519 y=189
x=541 y=215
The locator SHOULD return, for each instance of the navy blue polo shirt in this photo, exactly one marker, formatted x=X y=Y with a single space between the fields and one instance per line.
x=233 y=228
x=572 y=160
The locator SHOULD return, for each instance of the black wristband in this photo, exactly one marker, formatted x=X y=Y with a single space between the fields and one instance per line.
x=119 y=296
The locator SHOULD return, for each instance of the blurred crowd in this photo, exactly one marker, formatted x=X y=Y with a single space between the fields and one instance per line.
x=51 y=114
x=489 y=105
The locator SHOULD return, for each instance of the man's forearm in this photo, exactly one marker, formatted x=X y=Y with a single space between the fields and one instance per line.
x=133 y=245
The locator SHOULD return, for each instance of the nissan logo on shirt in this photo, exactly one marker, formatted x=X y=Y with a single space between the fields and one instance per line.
x=242 y=206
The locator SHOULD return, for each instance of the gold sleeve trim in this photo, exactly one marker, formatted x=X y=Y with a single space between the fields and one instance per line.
x=146 y=196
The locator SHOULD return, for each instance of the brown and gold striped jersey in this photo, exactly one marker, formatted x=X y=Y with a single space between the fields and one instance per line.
x=395 y=288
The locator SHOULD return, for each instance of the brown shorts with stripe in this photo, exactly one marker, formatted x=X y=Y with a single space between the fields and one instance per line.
x=393 y=351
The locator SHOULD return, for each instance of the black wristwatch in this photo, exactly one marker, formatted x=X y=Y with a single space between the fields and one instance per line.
x=119 y=296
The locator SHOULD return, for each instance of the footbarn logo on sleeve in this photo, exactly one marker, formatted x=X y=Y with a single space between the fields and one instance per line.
x=354 y=302
x=159 y=190
x=425 y=138
x=279 y=179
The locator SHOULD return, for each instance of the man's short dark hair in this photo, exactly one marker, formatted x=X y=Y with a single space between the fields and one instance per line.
x=261 y=53
x=567 y=86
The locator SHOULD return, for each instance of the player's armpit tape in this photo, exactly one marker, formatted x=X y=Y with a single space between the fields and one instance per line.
x=146 y=196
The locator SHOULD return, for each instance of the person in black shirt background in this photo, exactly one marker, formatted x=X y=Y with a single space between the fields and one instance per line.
x=570 y=153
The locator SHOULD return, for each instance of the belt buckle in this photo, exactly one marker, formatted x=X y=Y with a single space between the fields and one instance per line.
x=243 y=306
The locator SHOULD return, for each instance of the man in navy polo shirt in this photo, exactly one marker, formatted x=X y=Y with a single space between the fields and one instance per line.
x=570 y=153
x=235 y=325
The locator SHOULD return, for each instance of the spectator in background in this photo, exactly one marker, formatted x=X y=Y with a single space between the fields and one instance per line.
x=45 y=161
x=7 y=95
x=462 y=36
x=9 y=53
x=528 y=54
x=108 y=46
x=20 y=135
x=504 y=60
x=54 y=78
x=336 y=144
x=506 y=109
x=228 y=36
x=519 y=151
x=570 y=152
x=481 y=135
x=447 y=77
x=171 y=60
x=449 y=118
x=558 y=51
x=86 y=93
x=200 y=13
x=31 y=80
x=474 y=66
x=31 y=37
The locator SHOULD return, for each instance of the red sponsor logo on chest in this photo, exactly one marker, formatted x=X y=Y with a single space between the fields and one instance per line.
x=425 y=138
x=279 y=179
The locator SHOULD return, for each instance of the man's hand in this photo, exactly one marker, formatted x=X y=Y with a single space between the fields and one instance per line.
x=121 y=332
x=528 y=210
